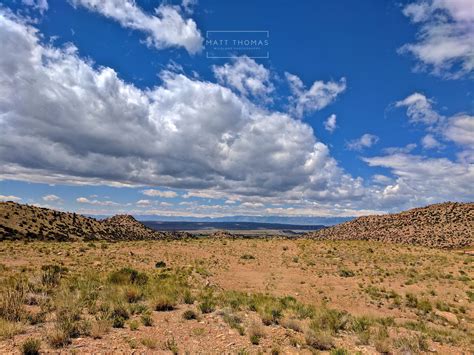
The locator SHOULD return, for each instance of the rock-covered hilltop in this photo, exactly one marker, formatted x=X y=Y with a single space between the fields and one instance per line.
x=444 y=225
x=18 y=221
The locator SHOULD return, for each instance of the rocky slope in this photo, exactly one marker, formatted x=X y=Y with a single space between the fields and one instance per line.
x=444 y=225
x=19 y=221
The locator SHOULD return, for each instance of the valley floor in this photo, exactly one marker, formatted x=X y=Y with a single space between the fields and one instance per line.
x=235 y=296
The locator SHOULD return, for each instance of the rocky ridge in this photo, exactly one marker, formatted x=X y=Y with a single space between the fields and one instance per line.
x=445 y=225
x=19 y=221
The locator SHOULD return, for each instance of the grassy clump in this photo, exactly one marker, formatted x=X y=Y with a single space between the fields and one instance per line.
x=255 y=332
x=9 y=329
x=31 y=346
x=190 y=314
x=319 y=340
x=128 y=276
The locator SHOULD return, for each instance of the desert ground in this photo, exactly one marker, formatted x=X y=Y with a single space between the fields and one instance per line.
x=241 y=296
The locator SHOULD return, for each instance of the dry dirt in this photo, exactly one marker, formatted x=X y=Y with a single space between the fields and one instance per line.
x=363 y=278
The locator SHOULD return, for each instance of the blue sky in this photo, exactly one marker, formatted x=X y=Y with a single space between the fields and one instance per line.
x=113 y=106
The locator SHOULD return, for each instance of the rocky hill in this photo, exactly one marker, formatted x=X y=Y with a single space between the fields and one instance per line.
x=444 y=225
x=18 y=221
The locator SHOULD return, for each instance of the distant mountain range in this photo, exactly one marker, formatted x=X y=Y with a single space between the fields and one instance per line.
x=300 y=221
x=196 y=226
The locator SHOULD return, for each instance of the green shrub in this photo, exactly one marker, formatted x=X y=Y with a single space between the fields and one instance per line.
x=128 y=276
x=329 y=319
x=188 y=297
x=160 y=264
x=208 y=302
x=118 y=322
x=51 y=275
x=133 y=325
x=147 y=320
x=164 y=302
x=12 y=299
x=247 y=257
x=189 y=314
x=346 y=273
x=320 y=340
x=31 y=346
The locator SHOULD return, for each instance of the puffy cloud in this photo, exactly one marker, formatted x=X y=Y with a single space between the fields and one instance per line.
x=444 y=41
x=430 y=142
x=317 y=97
x=167 y=28
x=143 y=203
x=85 y=200
x=40 y=5
x=419 y=109
x=422 y=180
x=406 y=149
x=159 y=193
x=188 y=5
x=365 y=141
x=246 y=76
x=330 y=123
x=51 y=198
x=10 y=198
x=460 y=129
x=87 y=126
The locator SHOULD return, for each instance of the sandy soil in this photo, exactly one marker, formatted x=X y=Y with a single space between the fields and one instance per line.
x=362 y=278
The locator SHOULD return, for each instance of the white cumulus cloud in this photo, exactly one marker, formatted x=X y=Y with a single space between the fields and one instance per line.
x=367 y=140
x=51 y=198
x=159 y=193
x=444 y=43
x=317 y=97
x=166 y=28
x=245 y=76
x=330 y=123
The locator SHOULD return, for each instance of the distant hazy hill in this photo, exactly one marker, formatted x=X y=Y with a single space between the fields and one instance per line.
x=293 y=220
x=444 y=225
x=188 y=226
x=19 y=221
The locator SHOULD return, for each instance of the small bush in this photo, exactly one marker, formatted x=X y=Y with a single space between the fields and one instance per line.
x=58 y=338
x=208 y=303
x=424 y=305
x=233 y=321
x=128 y=276
x=160 y=264
x=12 y=299
x=147 y=320
x=31 y=346
x=255 y=332
x=133 y=325
x=99 y=328
x=164 y=302
x=411 y=300
x=189 y=314
x=292 y=324
x=150 y=343
x=247 y=257
x=346 y=273
x=133 y=294
x=9 y=329
x=188 y=297
x=51 y=275
x=118 y=322
x=320 y=340
x=171 y=345
x=330 y=320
